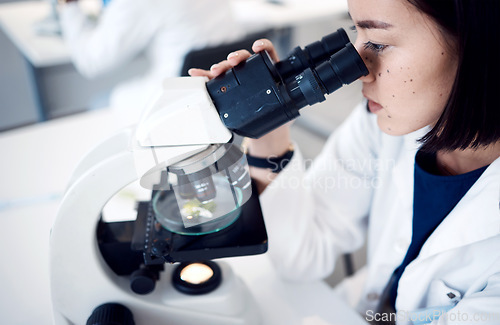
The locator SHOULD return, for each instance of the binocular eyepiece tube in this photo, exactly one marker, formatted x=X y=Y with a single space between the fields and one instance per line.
x=257 y=96
x=311 y=55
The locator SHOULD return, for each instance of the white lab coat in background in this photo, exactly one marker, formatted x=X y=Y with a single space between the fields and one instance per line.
x=164 y=29
x=362 y=185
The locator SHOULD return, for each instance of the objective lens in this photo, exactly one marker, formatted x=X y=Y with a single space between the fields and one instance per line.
x=185 y=189
x=205 y=189
x=199 y=185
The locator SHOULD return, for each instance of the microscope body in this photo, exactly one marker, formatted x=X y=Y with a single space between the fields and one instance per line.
x=81 y=279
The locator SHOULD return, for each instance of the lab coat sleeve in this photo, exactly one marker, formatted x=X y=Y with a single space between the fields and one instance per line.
x=482 y=307
x=124 y=29
x=313 y=215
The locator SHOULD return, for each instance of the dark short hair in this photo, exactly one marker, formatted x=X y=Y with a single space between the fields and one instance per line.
x=471 y=117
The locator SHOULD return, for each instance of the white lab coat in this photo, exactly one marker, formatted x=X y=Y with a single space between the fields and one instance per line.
x=164 y=30
x=361 y=186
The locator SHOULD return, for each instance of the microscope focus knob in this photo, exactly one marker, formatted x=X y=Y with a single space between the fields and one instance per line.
x=111 y=314
x=143 y=281
x=160 y=248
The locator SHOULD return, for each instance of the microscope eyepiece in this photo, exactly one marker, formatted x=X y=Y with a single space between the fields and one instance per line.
x=257 y=96
x=342 y=68
x=312 y=54
x=346 y=65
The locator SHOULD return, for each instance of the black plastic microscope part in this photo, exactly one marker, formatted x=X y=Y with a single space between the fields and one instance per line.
x=197 y=289
x=114 y=240
x=256 y=96
x=111 y=314
x=130 y=246
x=246 y=236
x=143 y=280
x=317 y=52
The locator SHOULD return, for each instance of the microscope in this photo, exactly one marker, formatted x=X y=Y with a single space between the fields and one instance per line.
x=201 y=205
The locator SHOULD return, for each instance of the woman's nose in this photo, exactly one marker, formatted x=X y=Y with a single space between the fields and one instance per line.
x=366 y=59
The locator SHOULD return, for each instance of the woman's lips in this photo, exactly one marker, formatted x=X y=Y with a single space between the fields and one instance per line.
x=373 y=106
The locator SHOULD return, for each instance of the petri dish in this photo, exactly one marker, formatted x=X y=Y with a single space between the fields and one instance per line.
x=188 y=217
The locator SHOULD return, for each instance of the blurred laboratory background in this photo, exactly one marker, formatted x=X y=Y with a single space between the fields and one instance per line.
x=42 y=79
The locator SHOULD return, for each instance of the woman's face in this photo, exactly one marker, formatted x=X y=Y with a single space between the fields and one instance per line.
x=411 y=65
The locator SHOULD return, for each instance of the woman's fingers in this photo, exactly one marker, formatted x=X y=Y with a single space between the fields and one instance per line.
x=233 y=59
x=195 y=72
x=265 y=44
x=236 y=57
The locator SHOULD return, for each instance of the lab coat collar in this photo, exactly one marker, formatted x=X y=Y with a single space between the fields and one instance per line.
x=476 y=216
x=404 y=169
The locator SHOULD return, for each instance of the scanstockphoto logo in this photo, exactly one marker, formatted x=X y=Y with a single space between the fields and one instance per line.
x=349 y=165
x=336 y=174
x=339 y=181
x=455 y=316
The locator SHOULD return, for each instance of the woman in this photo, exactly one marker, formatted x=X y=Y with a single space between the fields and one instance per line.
x=415 y=168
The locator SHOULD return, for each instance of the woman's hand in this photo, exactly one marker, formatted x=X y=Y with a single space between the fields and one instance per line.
x=276 y=142
x=234 y=58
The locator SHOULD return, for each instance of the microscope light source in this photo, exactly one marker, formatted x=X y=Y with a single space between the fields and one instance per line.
x=197 y=278
x=196 y=273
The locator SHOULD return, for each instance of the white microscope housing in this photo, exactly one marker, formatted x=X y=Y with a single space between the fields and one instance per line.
x=180 y=147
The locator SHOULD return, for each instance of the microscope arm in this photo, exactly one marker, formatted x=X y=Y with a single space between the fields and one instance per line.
x=117 y=143
x=73 y=248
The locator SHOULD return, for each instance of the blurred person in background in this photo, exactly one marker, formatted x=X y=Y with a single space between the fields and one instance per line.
x=164 y=30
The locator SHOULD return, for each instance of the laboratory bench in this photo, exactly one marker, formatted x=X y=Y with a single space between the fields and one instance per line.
x=37 y=164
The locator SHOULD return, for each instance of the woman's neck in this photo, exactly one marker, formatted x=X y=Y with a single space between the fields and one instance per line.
x=458 y=162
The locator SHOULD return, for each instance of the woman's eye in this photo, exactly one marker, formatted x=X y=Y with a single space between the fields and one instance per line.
x=377 y=48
